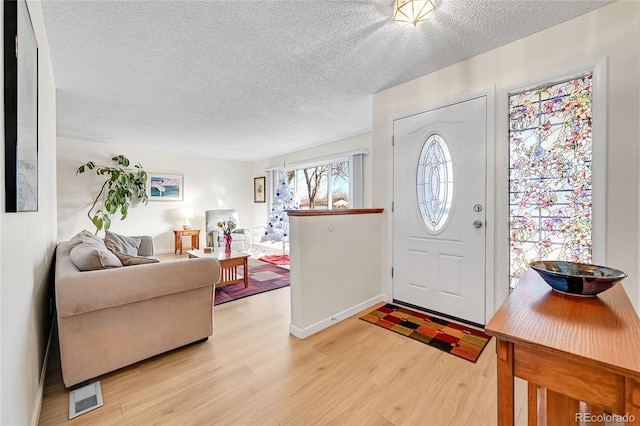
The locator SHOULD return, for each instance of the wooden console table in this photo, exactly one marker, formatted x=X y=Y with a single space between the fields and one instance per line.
x=569 y=349
x=179 y=233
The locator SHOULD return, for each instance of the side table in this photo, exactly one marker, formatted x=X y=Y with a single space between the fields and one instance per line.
x=193 y=233
x=579 y=355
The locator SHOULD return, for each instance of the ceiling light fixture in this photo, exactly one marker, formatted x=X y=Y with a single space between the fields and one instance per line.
x=413 y=12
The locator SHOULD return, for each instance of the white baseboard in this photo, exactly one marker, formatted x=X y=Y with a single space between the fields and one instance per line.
x=302 y=333
x=37 y=406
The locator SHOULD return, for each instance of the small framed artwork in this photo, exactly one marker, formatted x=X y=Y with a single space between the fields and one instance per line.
x=258 y=189
x=165 y=187
x=20 y=109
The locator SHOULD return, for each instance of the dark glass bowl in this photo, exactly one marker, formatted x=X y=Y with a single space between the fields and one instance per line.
x=579 y=279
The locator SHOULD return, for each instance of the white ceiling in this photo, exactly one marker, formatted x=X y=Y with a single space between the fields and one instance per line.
x=251 y=79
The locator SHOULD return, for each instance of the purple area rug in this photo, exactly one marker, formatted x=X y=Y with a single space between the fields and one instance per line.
x=262 y=277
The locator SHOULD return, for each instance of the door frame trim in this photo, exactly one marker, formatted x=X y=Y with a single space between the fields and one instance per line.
x=489 y=94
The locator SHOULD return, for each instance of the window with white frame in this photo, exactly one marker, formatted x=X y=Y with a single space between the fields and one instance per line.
x=321 y=187
x=326 y=183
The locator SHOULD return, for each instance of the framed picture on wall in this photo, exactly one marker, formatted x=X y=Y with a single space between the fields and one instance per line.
x=259 y=189
x=165 y=187
x=20 y=109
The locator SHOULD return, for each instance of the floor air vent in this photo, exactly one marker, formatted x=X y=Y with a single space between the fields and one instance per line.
x=84 y=399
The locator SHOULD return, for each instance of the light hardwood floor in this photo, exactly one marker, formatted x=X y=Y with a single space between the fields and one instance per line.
x=253 y=372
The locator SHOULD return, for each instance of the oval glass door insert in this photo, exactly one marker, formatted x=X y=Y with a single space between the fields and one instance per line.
x=434 y=183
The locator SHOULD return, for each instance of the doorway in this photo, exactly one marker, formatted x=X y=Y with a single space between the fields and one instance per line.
x=439 y=210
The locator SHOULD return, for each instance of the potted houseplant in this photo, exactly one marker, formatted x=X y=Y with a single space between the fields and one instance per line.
x=122 y=184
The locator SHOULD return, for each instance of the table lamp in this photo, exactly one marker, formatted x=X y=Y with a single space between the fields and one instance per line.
x=187 y=213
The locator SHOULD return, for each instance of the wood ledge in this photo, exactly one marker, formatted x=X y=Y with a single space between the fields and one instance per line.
x=336 y=212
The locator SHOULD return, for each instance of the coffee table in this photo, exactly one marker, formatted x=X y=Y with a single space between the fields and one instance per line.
x=229 y=263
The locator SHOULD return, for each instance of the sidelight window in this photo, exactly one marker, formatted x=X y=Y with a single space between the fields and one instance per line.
x=550 y=174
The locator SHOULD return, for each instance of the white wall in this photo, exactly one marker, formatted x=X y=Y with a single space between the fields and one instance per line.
x=260 y=211
x=26 y=251
x=612 y=32
x=208 y=184
x=335 y=268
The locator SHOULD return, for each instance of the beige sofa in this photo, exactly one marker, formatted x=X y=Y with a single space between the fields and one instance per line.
x=111 y=318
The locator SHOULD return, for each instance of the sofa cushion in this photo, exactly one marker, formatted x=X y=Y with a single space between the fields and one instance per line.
x=89 y=256
x=130 y=260
x=121 y=244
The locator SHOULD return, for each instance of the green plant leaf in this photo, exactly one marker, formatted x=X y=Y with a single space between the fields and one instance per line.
x=122 y=160
x=107 y=222
x=97 y=222
x=121 y=185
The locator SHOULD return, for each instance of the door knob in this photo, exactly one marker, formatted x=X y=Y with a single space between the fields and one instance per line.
x=477 y=224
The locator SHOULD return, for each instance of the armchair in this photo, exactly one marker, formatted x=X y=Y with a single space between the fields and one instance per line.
x=240 y=236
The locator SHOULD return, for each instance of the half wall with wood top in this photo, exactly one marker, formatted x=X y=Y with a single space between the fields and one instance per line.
x=335 y=266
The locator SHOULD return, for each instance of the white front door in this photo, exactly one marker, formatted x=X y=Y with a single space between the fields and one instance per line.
x=439 y=194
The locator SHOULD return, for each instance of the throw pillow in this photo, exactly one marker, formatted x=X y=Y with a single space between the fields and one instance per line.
x=89 y=257
x=86 y=237
x=129 y=260
x=121 y=244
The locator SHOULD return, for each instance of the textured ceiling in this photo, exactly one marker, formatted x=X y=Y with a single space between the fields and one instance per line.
x=248 y=80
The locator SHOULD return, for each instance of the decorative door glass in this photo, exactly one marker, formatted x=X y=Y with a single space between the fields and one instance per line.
x=550 y=187
x=434 y=183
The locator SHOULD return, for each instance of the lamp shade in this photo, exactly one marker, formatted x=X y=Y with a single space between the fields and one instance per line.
x=413 y=12
x=187 y=212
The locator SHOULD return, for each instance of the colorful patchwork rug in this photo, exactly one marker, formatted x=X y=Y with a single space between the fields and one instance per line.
x=262 y=277
x=456 y=339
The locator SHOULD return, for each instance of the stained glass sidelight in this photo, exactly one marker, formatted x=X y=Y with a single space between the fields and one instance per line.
x=550 y=174
x=434 y=183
